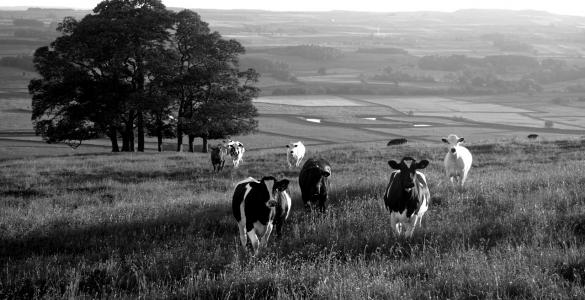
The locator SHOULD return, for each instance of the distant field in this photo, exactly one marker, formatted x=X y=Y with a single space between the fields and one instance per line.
x=308 y=100
x=350 y=119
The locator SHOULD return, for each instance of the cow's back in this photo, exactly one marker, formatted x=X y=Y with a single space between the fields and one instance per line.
x=241 y=191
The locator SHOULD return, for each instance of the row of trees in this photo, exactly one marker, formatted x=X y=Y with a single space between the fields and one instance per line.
x=134 y=68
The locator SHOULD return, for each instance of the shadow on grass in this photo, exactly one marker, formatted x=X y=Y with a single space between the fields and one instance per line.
x=102 y=240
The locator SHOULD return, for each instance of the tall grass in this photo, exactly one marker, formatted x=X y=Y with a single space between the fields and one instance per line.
x=160 y=226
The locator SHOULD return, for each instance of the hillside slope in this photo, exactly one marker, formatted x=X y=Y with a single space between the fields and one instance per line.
x=159 y=226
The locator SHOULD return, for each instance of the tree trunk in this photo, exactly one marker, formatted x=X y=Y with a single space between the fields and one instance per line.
x=130 y=131
x=114 y=139
x=128 y=134
x=141 y=98
x=191 y=140
x=159 y=132
x=125 y=142
x=179 y=140
x=131 y=139
x=204 y=146
x=140 y=127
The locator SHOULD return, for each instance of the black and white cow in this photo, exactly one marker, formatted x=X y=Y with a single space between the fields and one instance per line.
x=255 y=207
x=218 y=155
x=236 y=150
x=313 y=181
x=407 y=195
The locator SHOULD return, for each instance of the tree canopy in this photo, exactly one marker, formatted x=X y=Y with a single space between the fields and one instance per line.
x=134 y=67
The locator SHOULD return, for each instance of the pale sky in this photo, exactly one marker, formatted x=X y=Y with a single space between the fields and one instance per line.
x=567 y=7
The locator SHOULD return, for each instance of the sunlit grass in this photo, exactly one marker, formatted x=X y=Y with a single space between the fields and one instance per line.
x=160 y=226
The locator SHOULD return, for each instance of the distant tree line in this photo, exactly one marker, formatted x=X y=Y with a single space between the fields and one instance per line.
x=496 y=63
x=397 y=76
x=277 y=69
x=134 y=68
x=312 y=52
x=382 y=50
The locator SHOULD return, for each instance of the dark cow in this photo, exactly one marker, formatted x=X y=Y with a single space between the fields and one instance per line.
x=218 y=155
x=407 y=195
x=254 y=206
x=532 y=136
x=313 y=182
x=399 y=141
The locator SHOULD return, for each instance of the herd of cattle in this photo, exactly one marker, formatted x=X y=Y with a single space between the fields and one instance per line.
x=260 y=205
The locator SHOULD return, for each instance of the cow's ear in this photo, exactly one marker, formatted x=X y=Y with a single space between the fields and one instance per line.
x=394 y=165
x=422 y=164
x=460 y=140
x=445 y=141
x=283 y=184
x=326 y=171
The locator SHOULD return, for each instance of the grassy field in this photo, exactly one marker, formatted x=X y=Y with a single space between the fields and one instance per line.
x=160 y=226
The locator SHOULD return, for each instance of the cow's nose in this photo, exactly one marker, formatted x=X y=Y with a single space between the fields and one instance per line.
x=272 y=203
x=452 y=150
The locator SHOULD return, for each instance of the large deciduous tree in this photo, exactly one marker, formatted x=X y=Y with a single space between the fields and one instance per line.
x=214 y=97
x=99 y=63
x=133 y=66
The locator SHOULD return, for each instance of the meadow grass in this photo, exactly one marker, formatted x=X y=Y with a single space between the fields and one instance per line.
x=160 y=226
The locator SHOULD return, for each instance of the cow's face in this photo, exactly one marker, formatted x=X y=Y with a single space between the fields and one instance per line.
x=279 y=188
x=407 y=176
x=274 y=188
x=453 y=141
x=294 y=148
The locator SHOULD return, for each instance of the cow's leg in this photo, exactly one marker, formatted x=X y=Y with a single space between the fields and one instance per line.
x=464 y=178
x=279 y=228
x=395 y=225
x=411 y=225
x=254 y=240
x=266 y=235
x=322 y=201
x=242 y=228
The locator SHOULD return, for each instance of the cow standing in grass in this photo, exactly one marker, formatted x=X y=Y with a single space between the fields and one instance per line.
x=457 y=160
x=407 y=195
x=255 y=207
x=218 y=155
x=236 y=150
x=313 y=181
x=295 y=152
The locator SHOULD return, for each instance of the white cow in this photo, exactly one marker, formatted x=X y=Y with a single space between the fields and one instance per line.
x=295 y=152
x=236 y=151
x=457 y=160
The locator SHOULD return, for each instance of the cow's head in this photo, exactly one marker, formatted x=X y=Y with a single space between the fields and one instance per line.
x=407 y=176
x=274 y=188
x=217 y=148
x=453 y=141
x=234 y=147
x=293 y=148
